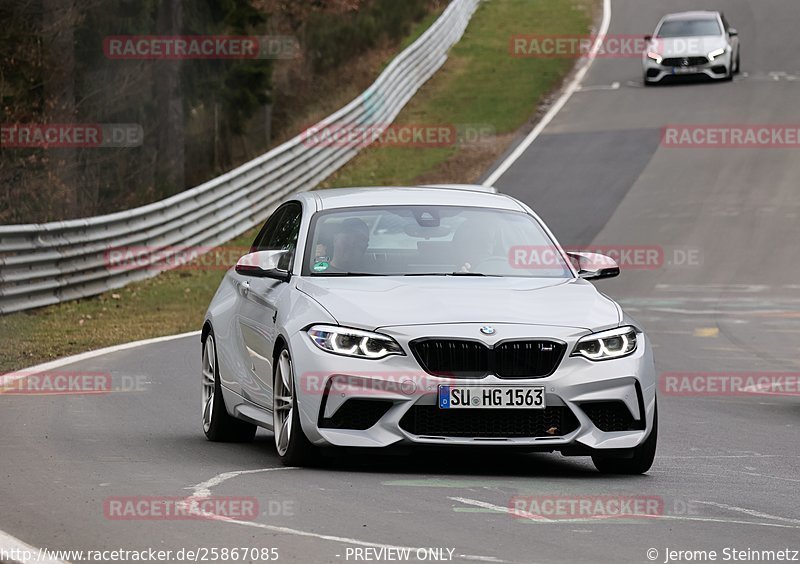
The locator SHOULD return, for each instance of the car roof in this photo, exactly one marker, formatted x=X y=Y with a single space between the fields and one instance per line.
x=695 y=14
x=453 y=195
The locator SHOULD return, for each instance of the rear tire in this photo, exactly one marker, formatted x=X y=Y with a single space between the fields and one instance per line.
x=641 y=458
x=294 y=448
x=218 y=424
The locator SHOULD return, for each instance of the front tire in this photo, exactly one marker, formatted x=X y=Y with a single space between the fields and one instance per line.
x=218 y=424
x=729 y=76
x=294 y=448
x=639 y=462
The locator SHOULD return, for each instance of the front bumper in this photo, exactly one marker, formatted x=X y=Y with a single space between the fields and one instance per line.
x=669 y=69
x=351 y=402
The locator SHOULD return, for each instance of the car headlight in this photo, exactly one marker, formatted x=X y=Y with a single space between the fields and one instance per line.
x=655 y=57
x=606 y=345
x=717 y=53
x=353 y=342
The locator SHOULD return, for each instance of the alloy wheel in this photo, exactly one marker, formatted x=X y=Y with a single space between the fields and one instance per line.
x=209 y=381
x=283 y=403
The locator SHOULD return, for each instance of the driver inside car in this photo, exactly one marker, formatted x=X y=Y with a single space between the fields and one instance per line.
x=350 y=243
x=475 y=243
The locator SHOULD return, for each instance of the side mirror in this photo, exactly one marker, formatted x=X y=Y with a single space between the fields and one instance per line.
x=733 y=32
x=266 y=264
x=594 y=266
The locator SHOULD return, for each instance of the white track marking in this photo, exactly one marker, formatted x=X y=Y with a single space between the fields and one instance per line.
x=11 y=544
x=750 y=512
x=343 y=540
x=203 y=490
x=543 y=519
x=558 y=105
x=612 y=86
x=621 y=519
x=6 y=379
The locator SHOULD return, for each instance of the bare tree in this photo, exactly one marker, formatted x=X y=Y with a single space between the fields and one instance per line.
x=296 y=12
x=59 y=18
x=169 y=97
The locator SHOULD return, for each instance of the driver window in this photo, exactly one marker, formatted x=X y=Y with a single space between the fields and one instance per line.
x=281 y=231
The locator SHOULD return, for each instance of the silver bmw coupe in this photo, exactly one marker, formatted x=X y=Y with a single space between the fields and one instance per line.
x=427 y=316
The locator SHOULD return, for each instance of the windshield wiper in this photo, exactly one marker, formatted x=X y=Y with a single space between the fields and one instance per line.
x=472 y=274
x=450 y=274
x=347 y=274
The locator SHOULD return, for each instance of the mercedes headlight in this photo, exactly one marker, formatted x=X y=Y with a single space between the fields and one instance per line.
x=353 y=342
x=716 y=53
x=655 y=57
x=606 y=345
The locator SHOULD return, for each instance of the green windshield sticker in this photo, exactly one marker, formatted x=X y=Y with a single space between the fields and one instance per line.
x=321 y=266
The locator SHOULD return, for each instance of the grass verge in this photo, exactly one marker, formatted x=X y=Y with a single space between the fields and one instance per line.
x=481 y=86
x=482 y=89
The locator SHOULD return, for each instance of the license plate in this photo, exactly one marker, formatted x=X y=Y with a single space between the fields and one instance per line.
x=482 y=397
x=685 y=70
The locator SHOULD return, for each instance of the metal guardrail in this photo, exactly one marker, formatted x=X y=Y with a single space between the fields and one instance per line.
x=44 y=264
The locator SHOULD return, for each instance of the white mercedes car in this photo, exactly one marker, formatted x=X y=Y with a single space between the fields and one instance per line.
x=429 y=316
x=692 y=43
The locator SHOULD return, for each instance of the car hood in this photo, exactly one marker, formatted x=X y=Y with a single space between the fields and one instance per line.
x=689 y=46
x=373 y=302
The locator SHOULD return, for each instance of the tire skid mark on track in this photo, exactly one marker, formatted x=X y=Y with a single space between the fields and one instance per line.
x=757 y=475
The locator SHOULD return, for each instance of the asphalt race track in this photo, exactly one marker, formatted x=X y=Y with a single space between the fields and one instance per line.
x=726 y=297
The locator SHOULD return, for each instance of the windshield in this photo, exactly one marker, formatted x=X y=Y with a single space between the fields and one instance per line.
x=689 y=28
x=430 y=240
